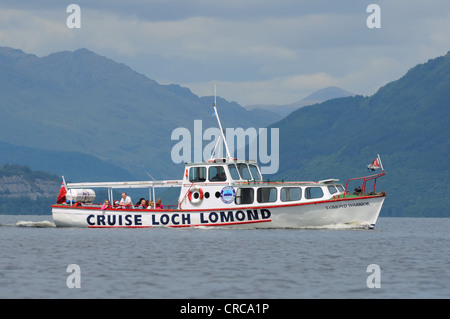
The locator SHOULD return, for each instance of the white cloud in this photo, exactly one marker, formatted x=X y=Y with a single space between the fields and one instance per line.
x=32 y=31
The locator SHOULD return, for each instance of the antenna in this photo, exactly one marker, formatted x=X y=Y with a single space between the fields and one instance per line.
x=149 y=175
x=220 y=126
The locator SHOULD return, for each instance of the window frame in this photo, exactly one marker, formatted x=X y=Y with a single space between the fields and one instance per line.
x=259 y=195
x=239 y=196
x=334 y=187
x=256 y=170
x=235 y=170
x=289 y=188
x=239 y=165
x=308 y=192
x=217 y=172
x=196 y=170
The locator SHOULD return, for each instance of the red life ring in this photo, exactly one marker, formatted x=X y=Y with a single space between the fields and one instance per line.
x=195 y=195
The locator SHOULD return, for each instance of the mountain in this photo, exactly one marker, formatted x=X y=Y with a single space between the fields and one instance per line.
x=76 y=166
x=24 y=191
x=406 y=122
x=328 y=93
x=16 y=181
x=82 y=102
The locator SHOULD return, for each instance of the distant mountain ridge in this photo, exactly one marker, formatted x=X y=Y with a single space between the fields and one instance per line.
x=331 y=92
x=82 y=102
x=328 y=93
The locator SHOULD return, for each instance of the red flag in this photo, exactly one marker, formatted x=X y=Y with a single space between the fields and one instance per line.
x=62 y=194
x=374 y=165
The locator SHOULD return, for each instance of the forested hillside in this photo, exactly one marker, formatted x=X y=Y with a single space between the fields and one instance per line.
x=406 y=122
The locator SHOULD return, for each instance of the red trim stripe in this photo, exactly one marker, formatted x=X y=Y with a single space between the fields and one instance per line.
x=223 y=208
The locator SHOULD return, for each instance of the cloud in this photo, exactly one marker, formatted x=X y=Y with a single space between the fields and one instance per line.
x=31 y=31
x=278 y=90
x=257 y=51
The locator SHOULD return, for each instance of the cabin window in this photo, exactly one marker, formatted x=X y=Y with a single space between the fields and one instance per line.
x=233 y=172
x=243 y=171
x=255 y=173
x=216 y=174
x=266 y=195
x=245 y=196
x=288 y=194
x=313 y=192
x=197 y=174
x=340 y=188
x=332 y=189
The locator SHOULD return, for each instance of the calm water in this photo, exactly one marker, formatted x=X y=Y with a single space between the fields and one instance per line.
x=412 y=253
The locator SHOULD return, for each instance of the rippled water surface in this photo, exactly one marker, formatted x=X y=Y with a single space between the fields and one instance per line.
x=412 y=255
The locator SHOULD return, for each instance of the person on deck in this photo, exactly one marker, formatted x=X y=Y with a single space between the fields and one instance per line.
x=142 y=204
x=159 y=204
x=106 y=205
x=125 y=202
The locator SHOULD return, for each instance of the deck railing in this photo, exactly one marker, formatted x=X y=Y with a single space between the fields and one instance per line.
x=364 y=179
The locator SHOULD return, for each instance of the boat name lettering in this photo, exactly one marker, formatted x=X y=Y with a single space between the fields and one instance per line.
x=347 y=205
x=234 y=216
x=114 y=220
x=175 y=219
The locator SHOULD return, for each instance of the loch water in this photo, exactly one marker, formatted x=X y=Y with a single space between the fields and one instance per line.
x=411 y=258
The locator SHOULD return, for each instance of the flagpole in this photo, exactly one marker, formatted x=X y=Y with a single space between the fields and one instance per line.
x=381 y=164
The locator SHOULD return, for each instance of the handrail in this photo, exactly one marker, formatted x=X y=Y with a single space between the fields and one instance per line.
x=185 y=195
x=365 y=180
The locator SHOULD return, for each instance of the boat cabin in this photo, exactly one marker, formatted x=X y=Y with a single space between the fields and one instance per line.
x=231 y=183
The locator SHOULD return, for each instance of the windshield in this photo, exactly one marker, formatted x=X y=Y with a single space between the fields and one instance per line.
x=255 y=172
x=243 y=171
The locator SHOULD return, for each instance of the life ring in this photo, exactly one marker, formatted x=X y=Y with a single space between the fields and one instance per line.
x=195 y=195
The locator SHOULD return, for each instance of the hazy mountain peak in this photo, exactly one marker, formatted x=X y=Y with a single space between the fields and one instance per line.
x=331 y=92
x=10 y=56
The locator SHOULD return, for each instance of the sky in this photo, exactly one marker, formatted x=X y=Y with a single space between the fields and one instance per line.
x=254 y=51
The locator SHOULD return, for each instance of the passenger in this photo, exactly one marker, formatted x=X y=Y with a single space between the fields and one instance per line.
x=106 y=205
x=125 y=202
x=159 y=204
x=150 y=204
x=142 y=204
x=140 y=201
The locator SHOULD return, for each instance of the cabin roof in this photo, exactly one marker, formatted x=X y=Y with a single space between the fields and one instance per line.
x=216 y=161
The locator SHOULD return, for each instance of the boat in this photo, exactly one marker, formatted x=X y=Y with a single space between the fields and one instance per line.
x=227 y=192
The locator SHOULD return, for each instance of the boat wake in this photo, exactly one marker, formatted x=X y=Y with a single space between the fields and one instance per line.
x=346 y=226
x=338 y=227
x=40 y=224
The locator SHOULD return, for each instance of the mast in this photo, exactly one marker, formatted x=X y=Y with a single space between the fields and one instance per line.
x=220 y=127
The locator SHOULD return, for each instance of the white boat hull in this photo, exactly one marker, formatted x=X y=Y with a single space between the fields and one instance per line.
x=354 y=212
